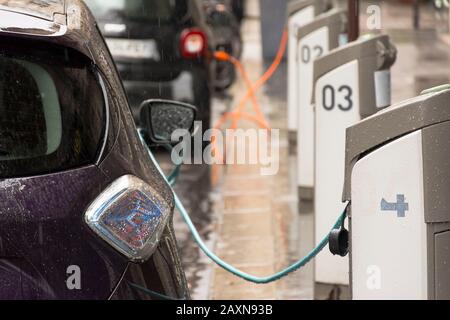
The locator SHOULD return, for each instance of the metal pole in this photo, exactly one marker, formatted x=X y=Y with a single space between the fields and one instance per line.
x=416 y=14
x=353 y=20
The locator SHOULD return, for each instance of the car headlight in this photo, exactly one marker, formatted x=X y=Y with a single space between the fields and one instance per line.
x=130 y=216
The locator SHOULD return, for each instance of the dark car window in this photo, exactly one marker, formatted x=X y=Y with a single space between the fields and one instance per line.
x=220 y=19
x=52 y=111
x=148 y=10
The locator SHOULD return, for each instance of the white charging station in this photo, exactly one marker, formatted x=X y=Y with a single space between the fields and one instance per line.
x=299 y=14
x=314 y=40
x=351 y=83
x=398 y=185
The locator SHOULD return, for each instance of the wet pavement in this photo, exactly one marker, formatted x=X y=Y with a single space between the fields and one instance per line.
x=253 y=221
x=249 y=220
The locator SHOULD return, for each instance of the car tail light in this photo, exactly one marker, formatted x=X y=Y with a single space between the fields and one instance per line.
x=130 y=216
x=193 y=43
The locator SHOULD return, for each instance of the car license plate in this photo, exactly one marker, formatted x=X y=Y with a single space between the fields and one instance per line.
x=136 y=49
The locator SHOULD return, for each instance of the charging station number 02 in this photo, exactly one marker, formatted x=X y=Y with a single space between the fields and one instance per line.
x=309 y=54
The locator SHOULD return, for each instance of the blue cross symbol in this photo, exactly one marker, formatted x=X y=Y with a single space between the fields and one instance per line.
x=401 y=207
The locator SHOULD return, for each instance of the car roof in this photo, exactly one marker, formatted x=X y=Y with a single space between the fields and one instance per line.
x=42 y=9
x=67 y=23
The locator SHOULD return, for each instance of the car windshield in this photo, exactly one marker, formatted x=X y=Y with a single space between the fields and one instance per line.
x=220 y=19
x=148 y=10
x=51 y=110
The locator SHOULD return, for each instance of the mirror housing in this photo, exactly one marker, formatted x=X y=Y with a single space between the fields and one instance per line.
x=161 y=118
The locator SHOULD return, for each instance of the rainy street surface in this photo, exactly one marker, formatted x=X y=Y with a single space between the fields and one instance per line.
x=254 y=222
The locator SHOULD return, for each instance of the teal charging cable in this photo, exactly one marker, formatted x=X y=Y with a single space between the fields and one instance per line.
x=258 y=280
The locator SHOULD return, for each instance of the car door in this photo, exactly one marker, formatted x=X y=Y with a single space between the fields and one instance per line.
x=53 y=129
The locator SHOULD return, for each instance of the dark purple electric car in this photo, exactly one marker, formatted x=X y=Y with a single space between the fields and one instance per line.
x=84 y=213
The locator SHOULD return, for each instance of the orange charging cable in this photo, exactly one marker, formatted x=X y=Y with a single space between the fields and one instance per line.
x=239 y=112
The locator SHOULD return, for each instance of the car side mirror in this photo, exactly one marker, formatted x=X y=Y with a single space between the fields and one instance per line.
x=161 y=118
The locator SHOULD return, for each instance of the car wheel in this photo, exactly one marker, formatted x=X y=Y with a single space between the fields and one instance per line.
x=225 y=76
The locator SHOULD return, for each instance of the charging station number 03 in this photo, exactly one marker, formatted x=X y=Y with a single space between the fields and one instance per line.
x=331 y=94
